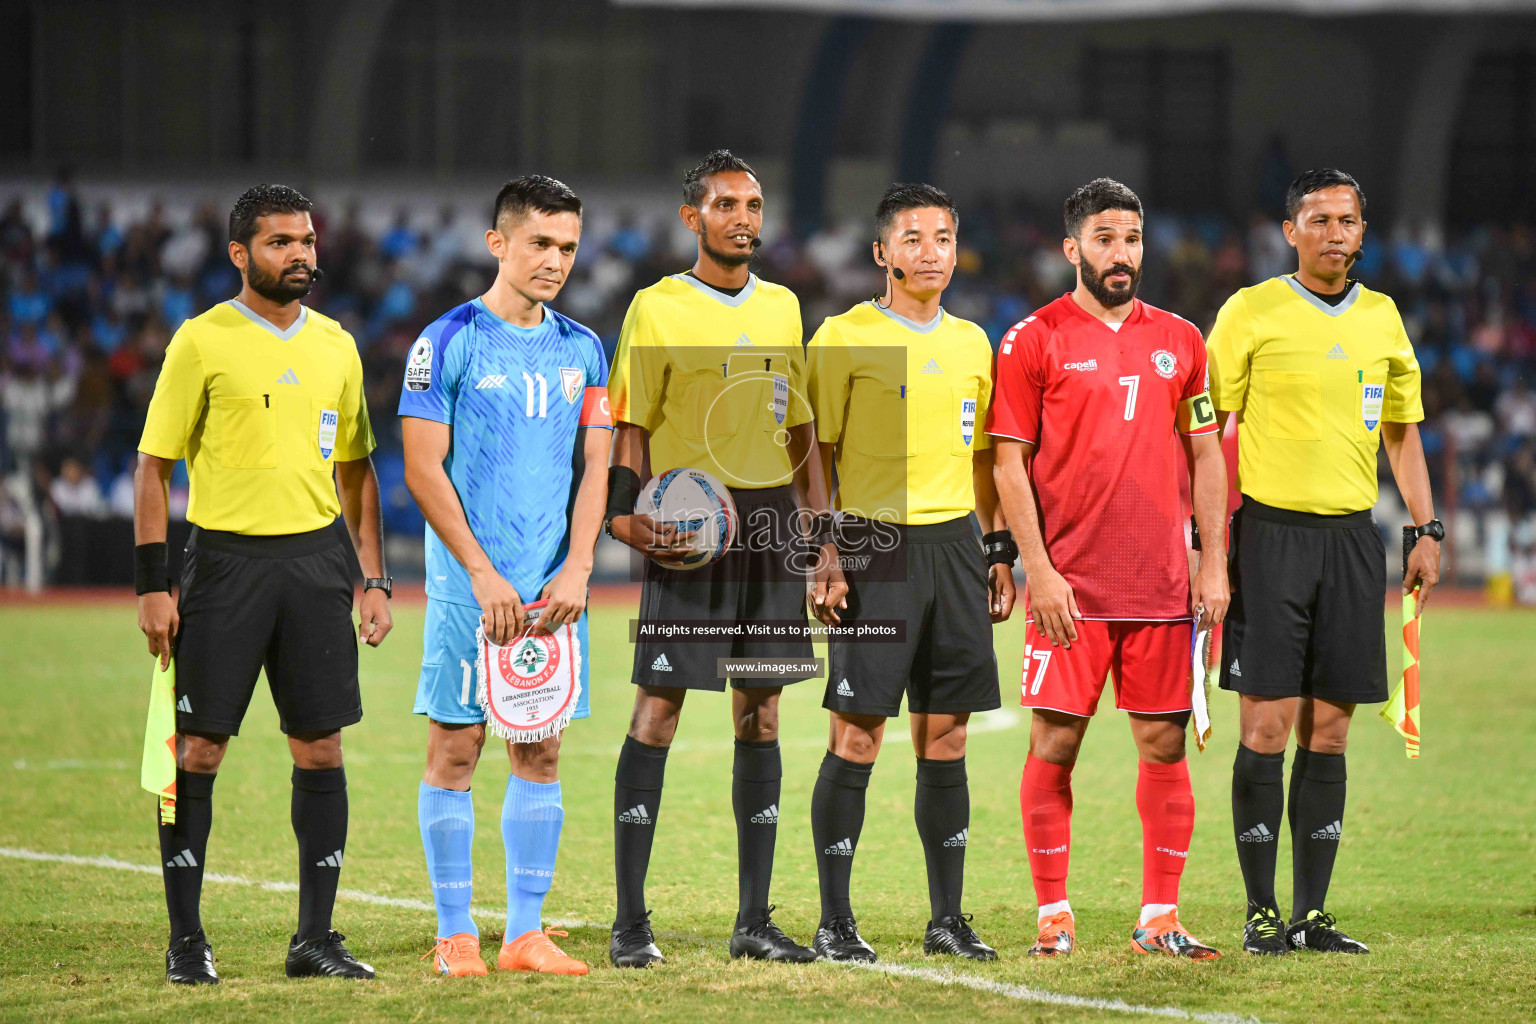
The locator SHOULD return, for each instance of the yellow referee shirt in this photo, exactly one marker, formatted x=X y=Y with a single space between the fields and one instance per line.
x=1313 y=383
x=717 y=379
x=261 y=416
x=905 y=404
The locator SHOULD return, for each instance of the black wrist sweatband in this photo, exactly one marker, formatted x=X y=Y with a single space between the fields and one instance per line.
x=623 y=490
x=999 y=547
x=823 y=529
x=1194 y=534
x=151 y=571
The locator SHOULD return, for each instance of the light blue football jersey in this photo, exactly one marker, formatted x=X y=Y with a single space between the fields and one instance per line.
x=513 y=397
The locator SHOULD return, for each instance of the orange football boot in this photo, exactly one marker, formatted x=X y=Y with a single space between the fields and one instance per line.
x=1164 y=934
x=458 y=956
x=533 y=951
x=1058 y=936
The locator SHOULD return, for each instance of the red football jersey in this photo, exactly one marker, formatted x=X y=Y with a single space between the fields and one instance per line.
x=1104 y=408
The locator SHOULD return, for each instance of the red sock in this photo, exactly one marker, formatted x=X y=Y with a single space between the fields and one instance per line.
x=1045 y=800
x=1167 y=807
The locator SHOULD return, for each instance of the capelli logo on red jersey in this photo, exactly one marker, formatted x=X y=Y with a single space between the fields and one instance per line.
x=1085 y=365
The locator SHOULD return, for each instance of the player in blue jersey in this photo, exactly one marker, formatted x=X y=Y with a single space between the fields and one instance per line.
x=499 y=400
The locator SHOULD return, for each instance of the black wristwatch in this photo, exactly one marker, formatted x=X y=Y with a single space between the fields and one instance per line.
x=387 y=584
x=1434 y=528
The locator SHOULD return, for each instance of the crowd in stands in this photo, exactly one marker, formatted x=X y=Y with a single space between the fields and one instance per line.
x=90 y=297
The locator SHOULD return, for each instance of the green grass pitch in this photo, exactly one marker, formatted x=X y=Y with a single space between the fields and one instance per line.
x=1435 y=872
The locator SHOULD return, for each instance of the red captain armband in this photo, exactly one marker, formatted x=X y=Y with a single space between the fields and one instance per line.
x=594 y=408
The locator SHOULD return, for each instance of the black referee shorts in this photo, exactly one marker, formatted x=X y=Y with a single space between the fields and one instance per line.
x=761 y=577
x=1308 y=614
x=281 y=603
x=933 y=580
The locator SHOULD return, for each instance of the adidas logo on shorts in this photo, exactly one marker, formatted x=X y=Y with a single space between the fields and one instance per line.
x=1334 y=831
x=843 y=689
x=184 y=859
x=184 y=705
x=1258 y=834
x=636 y=815
x=841 y=848
x=767 y=816
x=332 y=861
x=959 y=838
x=1237 y=671
x=661 y=664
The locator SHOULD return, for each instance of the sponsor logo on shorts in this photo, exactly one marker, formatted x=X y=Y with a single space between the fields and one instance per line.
x=184 y=705
x=661 y=664
x=843 y=689
x=1236 y=670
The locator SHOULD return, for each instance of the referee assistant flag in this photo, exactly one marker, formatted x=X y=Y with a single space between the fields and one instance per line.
x=1403 y=709
x=158 y=771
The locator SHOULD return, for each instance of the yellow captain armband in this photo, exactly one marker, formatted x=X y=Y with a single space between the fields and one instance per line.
x=1197 y=415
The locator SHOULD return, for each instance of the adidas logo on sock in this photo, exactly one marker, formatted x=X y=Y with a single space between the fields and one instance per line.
x=332 y=861
x=184 y=859
x=843 y=689
x=1258 y=834
x=185 y=704
x=661 y=664
x=959 y=838
x=767 y=816
x=636 y=815
x=1334 y=831
x=841 y=848
x=1337 y=352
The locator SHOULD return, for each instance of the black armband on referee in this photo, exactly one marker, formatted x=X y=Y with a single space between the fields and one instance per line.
x=623 y=490
x=151 y=569
x=999 y=547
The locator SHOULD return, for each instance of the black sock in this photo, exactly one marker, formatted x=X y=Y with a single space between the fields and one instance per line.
x=943 y=812
x=1316 y=813
x=320 y=822
x=1258 y=803
x=837 y=818
x=182 y=848
x=636 y=801
x=756 y=778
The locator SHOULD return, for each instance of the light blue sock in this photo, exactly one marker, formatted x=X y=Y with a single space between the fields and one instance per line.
x=531 y=817
x=447 y=820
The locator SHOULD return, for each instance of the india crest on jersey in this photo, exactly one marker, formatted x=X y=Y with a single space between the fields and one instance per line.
x=570 y=383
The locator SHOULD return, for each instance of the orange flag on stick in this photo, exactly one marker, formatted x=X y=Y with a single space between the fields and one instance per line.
x=1402 y=711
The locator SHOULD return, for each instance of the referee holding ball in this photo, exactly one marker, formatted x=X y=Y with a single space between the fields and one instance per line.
x=264 y=399
x=1320 y=372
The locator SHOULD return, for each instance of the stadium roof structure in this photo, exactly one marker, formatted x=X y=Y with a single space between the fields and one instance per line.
x=1087 y=10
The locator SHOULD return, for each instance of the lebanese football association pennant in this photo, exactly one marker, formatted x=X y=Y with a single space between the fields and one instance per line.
x=529 y=688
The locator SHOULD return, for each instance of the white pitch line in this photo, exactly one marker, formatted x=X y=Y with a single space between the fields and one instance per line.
x=1025 y=994
x=1020 y=993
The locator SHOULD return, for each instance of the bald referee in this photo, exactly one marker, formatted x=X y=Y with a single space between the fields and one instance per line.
x=1320 y=373
x=264 y=399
